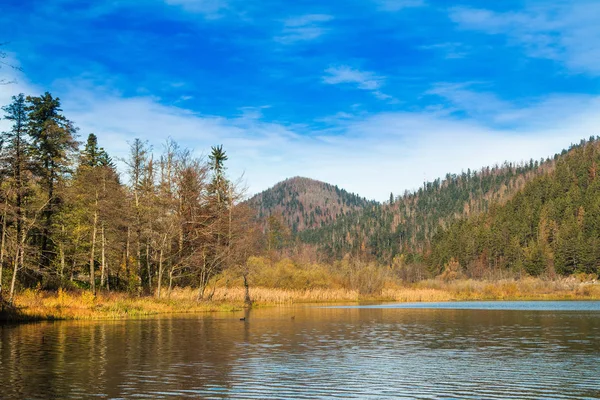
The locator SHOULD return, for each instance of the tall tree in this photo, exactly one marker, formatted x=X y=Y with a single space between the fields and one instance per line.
x=137 y=166
x=219 y=185
x=53 y=137
x=15 y=166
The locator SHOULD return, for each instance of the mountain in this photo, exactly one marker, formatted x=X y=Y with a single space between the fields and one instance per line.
x=304 y=203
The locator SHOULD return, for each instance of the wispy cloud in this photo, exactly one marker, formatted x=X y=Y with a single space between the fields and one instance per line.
x=451 y=50
x=397 y=5
x=343 y=74
x=568 y=32
x=303 y=28
x=211 y=9
x=364 y=80
x=532 y=113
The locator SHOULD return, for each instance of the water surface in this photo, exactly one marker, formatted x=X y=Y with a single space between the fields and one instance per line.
x=478 y=350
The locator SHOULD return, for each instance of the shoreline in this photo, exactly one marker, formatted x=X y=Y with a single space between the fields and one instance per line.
x=33 y=305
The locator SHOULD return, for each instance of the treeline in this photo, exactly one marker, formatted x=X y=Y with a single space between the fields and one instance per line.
x=551 y=226
x=407 y=224
x=67 y=220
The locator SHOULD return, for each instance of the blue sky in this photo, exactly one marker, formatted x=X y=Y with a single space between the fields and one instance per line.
x=372 y=95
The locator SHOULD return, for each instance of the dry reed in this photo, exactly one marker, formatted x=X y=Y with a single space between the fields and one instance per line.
x=66 y=305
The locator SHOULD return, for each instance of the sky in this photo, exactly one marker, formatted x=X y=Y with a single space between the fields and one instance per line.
x=375 y=96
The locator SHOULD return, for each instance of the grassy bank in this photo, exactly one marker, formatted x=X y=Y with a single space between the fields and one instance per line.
x=40 y=305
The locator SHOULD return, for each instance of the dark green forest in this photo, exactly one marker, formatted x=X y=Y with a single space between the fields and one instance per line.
x=550 y=226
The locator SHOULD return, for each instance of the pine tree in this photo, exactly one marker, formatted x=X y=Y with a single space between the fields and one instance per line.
x=53 y=137
x=15 y=159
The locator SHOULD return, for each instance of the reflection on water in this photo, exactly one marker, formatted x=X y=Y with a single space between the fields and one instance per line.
x=321 y=352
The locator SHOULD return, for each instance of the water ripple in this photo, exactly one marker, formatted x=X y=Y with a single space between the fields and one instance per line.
x=323 y=353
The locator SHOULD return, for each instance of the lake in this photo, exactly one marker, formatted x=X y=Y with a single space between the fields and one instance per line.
x=521 y=350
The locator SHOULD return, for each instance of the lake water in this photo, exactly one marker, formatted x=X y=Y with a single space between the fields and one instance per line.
x=518 y=350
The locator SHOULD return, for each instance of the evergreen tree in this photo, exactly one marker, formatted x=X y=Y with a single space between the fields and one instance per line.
x=15 y=159
x=90 y=155
x=219 y=184
x=53 y=137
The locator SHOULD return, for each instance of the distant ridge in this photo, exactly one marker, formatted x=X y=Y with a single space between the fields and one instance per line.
x=304 y=203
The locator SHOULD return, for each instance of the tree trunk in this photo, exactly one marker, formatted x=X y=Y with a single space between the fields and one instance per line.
x=247 y=300
x=92 y=277
x=202 y=286
x=61 y=250
x=148 y=270
x=72 y=273
x=127 y=254
x=170 y=283
x=203 y=279
x=14 y=276
x=213 y=290
x=139 y=262
x=102 y=258
x=160 y=271
x=2 y=248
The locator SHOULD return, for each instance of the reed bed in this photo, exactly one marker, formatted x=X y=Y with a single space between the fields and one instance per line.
x=36 y=305
x=40 y=305
x=516 y=289
x=270 y=296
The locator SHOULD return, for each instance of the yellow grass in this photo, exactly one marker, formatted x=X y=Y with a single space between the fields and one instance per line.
x=64 y=305
x=513 y=289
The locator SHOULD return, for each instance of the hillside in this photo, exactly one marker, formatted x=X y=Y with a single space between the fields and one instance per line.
x=552 y=225
x=533 y=217
x=304 y=203
x=408 y=223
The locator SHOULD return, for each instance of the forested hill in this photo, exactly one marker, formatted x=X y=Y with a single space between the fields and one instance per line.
x=408 y=223
x=552 y=225
x=305 y=203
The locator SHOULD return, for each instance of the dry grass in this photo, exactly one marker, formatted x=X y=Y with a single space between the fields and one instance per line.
x=512 y=289
x=64 y=305
x=270 y=296
x=32 y=305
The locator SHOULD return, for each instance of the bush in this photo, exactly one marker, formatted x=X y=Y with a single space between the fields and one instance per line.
x=451 y=271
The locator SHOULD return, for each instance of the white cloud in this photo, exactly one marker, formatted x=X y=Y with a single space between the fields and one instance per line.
x=344 y=74
x=303 y=28
x=364 y=80
x=568 y=33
